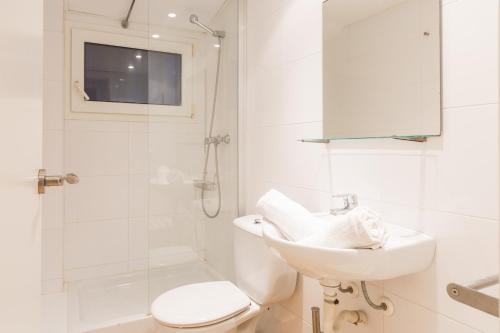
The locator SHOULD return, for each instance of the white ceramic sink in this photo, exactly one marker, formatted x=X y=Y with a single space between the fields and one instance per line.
x=406 y=252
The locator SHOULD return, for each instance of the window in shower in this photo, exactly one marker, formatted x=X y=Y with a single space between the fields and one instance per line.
x=129 y=76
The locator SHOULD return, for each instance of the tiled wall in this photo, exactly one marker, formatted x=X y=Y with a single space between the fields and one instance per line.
x=446 y=187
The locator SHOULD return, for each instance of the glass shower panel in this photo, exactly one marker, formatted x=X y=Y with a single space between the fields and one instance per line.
x=158 y=190
x=106 y=259
x=185 y=244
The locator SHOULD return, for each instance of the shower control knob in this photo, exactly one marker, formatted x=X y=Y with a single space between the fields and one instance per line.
x=226 y=139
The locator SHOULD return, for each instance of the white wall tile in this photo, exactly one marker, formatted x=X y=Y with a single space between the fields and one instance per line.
x=139 y=240
x=53 y=144
x=52 y=254
x=277 y=319
x=53 y=208
x=138 y=152
x=357 y=173
x=96 y=125
x=461 y=172
x=97 y=271
x=54 y=313
x=96 y=153
x=53 y=15
x=303 y=101
x=95 y=243
x=52 y=286
x=470 y=52
x=53 y=56
x=53 y=105
x=402 y=179
x=412 y=318
x=97 y=198
x=138 y=195
x=300 y=18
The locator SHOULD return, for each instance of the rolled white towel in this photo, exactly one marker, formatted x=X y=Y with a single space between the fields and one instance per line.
x=292 y=220
x=361 y=228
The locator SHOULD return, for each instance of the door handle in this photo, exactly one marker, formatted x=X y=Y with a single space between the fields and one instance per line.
x=44 y=180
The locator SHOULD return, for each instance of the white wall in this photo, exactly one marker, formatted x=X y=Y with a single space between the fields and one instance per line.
x=446 y=187
x=21 y=33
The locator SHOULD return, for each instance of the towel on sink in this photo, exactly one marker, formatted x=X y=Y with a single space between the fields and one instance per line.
x=290 y=218
x=361 y=228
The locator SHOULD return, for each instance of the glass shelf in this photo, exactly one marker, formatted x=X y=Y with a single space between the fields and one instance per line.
x=414 y=138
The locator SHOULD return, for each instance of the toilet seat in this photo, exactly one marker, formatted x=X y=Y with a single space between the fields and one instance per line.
x=200 y=304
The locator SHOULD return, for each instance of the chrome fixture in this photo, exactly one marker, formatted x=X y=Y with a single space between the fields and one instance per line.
x=384 y=306
x=211 y=140
x=471 y=296
x=216 y=33
x=44 y=180
x=125 y=20
x=315 y=319
x=205 y=185
x=218 y=139
x=343 y=203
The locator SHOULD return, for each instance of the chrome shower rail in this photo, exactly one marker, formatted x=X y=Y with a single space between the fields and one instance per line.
x=125 y=20
x=471 y=296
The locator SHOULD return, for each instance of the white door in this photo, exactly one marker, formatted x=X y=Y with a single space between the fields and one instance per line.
x=21 y=38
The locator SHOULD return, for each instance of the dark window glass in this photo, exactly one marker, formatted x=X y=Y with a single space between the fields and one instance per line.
x=128 y=75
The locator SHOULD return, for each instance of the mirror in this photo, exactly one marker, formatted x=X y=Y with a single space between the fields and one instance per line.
x=381 y=68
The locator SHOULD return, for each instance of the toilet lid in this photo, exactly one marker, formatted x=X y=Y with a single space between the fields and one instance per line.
x=199 y=304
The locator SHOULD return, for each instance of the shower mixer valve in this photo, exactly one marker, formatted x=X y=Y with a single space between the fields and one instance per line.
x=218 y=139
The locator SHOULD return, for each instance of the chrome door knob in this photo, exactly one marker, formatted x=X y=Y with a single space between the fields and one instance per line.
x=44 y=180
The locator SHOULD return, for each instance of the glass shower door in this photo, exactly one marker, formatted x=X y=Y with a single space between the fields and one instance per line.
x=158 y=178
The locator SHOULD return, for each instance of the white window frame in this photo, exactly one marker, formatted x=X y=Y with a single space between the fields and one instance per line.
x=79 y=104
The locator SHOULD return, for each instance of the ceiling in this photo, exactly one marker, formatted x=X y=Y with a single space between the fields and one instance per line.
x=154 y=12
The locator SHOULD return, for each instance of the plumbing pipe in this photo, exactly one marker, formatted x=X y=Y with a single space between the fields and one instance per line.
x=315 y=320
x=330 y=302
x=351 y=317
x=331 y=322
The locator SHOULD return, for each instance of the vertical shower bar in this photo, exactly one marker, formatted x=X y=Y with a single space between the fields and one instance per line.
x=125 y=20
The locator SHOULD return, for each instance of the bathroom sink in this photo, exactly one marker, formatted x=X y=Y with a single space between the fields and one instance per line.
x=406 y=252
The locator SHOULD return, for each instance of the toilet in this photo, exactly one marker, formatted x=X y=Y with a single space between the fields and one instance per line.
x=221 y=306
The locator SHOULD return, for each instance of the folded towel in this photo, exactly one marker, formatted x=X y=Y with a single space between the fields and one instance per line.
x=292 y=220
x=361 y=228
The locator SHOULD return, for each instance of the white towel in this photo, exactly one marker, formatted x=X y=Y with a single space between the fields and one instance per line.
x=361 y=228
x=292 y=220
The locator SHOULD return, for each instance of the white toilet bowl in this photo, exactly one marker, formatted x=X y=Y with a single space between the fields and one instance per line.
x=221 y=306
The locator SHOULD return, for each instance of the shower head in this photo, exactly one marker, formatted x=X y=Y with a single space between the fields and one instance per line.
x=193 y=18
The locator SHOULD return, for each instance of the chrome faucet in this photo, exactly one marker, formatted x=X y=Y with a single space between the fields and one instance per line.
x=343 y=203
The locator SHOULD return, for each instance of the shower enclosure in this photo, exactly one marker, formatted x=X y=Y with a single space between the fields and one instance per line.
x=158 y=191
